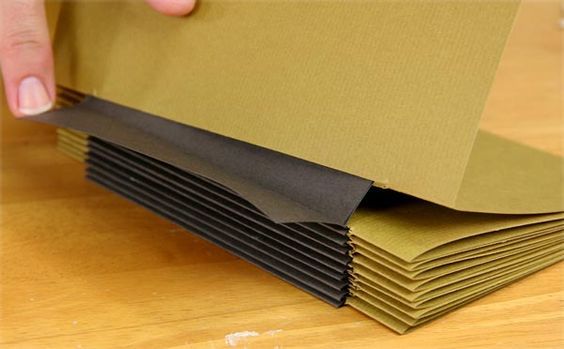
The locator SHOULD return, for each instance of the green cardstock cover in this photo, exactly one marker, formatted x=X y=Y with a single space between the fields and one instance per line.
x=391 y=91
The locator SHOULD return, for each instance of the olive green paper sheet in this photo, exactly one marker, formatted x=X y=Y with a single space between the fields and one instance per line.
x=391 y=91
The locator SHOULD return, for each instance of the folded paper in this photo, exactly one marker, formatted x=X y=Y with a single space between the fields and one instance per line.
x=399 y=259
x=265 y=127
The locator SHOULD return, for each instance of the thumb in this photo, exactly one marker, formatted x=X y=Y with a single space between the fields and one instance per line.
x=26 y=57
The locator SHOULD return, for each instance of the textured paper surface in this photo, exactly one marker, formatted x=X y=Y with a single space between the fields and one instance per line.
x=406 y=78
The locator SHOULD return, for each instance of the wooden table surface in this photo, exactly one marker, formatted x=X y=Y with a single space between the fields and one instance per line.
x=83 y=268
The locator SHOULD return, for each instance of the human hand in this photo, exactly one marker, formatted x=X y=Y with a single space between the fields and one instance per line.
x=26 y=57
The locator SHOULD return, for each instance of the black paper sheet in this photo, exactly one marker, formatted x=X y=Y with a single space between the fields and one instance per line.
x=285 y=188
x=311 y=256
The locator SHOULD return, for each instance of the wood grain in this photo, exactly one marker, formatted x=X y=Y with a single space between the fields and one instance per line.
x=82 y=268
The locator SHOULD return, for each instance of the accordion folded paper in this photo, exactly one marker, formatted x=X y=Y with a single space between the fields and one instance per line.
x=334 y=144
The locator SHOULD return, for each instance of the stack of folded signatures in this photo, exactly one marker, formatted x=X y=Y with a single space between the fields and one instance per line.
x=365 y=183
x=311 y=255
x=413 y=261
x=400 y=260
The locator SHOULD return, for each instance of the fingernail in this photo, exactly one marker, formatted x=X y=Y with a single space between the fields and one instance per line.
x=33 y=98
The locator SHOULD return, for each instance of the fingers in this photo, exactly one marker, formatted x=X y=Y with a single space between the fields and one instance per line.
x=26 y=57
x=173 y=7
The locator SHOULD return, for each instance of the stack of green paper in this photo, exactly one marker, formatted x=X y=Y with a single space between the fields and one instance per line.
x=414 y=261
x=314 y=103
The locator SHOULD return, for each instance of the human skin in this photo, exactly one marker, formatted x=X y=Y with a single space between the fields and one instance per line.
x=26 y=56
